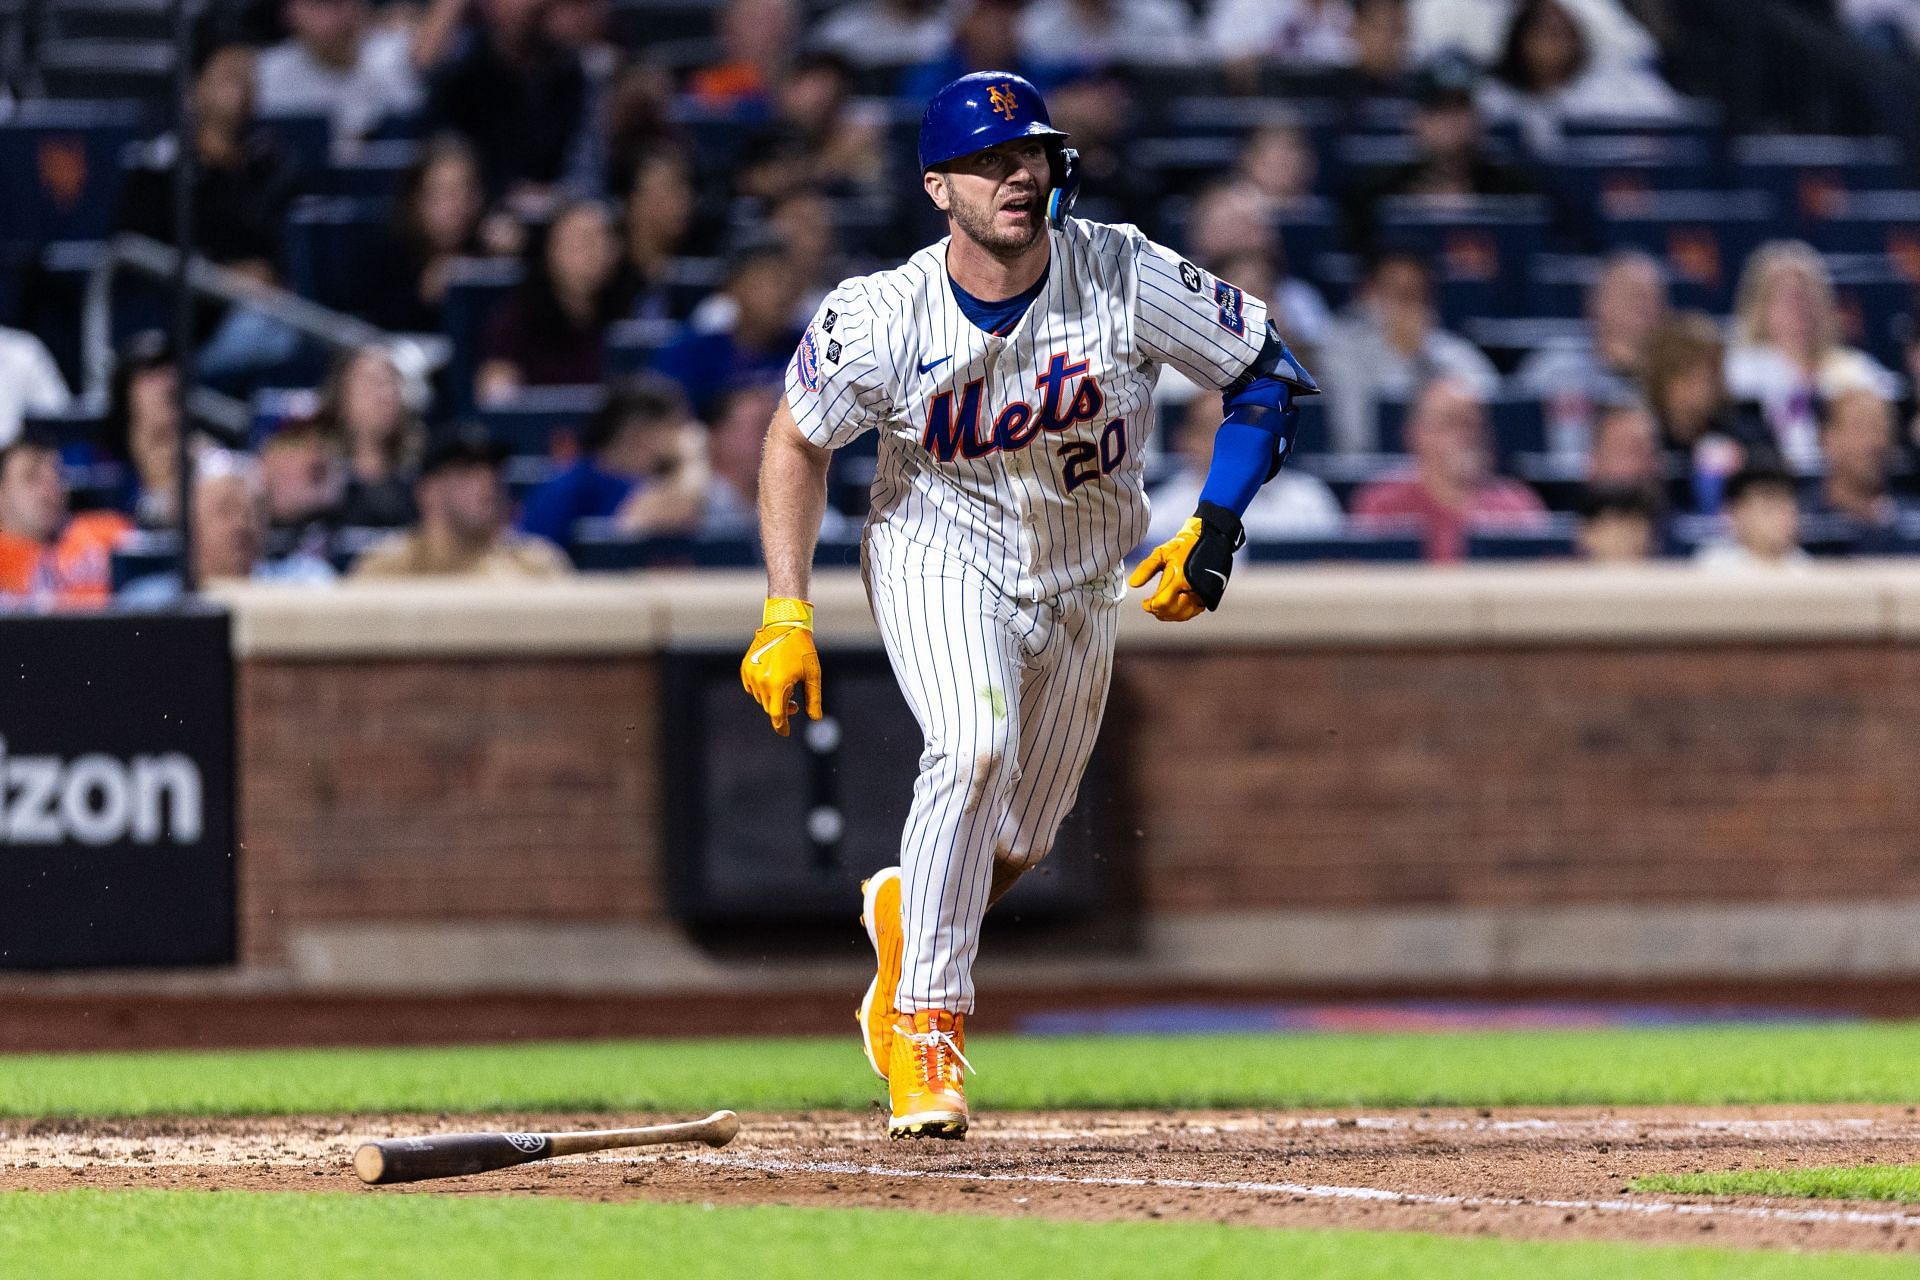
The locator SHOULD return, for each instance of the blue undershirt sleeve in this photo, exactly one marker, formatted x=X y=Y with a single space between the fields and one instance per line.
x=1242 y=460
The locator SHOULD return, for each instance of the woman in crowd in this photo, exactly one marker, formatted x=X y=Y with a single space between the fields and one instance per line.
x=1685 y=386
x=364 y=411
x=1548 y=75
x=439 y=215
x=1787 y=355
x=143 y=428
x=549 y=332
x=659 y=214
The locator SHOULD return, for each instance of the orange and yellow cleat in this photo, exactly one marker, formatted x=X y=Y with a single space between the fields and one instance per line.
x=880 y=913
x=924 y=1079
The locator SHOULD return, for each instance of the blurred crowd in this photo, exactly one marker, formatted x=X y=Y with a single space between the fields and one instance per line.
x=666 y=207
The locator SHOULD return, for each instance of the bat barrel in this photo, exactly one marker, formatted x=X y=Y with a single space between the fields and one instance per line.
x=446 y=1156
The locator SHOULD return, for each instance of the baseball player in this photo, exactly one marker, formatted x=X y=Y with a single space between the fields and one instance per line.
x=1009 y=370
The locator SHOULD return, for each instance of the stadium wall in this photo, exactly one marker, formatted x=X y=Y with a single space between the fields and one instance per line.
x=1375 y=776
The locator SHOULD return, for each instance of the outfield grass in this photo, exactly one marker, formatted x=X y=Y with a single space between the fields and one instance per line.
x=162 y=1235
x=1870 y=1062
x=1899 y=1182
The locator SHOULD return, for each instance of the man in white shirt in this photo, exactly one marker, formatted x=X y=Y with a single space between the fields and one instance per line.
x=30 y=382
x=1389 y=345
x=337 y=63
x=887 y=33
x=1294 y=504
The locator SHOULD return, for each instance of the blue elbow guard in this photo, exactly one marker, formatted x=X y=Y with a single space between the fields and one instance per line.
x=1263 y=397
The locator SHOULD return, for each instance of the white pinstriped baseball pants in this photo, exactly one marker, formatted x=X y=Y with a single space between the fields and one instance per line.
x=1009 y=697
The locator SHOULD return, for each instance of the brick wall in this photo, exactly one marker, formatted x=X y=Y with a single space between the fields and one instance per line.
x=1505 y=777
x=446 y=788
x=526 y=788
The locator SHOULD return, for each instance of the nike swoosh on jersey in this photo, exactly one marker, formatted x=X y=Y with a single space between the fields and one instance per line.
x=932 y=365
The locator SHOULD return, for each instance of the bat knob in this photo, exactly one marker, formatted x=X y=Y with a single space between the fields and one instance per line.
x=723 y=1126
x=369 y=1162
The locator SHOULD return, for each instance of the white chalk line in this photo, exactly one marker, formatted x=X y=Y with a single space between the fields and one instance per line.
x=1310 y=1191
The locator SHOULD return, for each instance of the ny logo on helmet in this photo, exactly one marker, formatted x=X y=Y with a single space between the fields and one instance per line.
x=1000 y=98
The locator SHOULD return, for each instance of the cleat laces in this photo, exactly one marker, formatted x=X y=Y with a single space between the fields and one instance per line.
x=931 y=1050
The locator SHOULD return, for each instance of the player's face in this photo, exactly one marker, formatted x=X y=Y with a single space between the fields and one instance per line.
x=997 y=197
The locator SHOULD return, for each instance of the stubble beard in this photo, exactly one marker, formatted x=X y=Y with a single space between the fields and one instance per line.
x=981 y=226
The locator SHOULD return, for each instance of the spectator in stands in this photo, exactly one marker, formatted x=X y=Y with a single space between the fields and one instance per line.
x=1279 y=163
x=439 y=217
x=1548 y=76
x=732 y=507
x=1857 y=440
x=816 y=136
x=802 y=219
x=638 y=120
x=1389 y=344
x=229 y=535
x=301 y=483
x=365 y=416
x=1295 y=305
x=1577 y=377
x=1300 y=35
x=1618 y=526
x=241 y=193
x=1097 y=108
x=1082 y=34
x=550 y=331
x=1787 y=355
x=47 y=554
x=659 y=215
x=517 y=95
x=887 y=33
x=757 y=39
x=1450 y=488
x=30 y=382
x=983 y=40
x=1763 y=513
x=756 y=342
x=142 y=428
x=338 y=63
x=1477 y=29
x=462 y=530
x=1626 y=453
x=643 y=464
x=1686 y=390
x=1382 y=65
x=1450 y=160
x=243 y=185
x=1294 y=504
x=1229 y=218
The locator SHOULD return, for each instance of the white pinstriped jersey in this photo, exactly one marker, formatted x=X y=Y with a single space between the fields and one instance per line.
x=1019 y=455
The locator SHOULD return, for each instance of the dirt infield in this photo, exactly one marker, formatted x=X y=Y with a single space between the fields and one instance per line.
x=1534 y=1173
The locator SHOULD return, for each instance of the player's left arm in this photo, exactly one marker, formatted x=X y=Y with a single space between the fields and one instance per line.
x=1208 y=328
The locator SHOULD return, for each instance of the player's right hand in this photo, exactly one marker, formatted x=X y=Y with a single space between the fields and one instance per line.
x=782 y=656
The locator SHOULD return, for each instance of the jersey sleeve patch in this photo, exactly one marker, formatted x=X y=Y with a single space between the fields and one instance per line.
x=807 y=361
x=1233 y=307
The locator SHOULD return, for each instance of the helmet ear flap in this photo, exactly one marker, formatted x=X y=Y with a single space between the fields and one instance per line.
x=1066 y=185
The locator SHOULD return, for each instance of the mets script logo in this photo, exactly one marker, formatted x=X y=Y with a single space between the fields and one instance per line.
x=965 y=434
x=530 y=1143
x=1000 y=98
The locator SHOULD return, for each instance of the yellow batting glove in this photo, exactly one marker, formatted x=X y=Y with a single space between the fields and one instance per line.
x=781 y=656
x=1173 y=600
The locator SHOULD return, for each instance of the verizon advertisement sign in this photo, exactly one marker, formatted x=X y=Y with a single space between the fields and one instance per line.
x=116 y=791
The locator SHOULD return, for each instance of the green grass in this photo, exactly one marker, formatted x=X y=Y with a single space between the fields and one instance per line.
x=1900 y=1182
x=1869 y=1062
x=162 y=1235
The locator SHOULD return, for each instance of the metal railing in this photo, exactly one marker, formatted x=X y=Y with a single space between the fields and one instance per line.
x=416 y=356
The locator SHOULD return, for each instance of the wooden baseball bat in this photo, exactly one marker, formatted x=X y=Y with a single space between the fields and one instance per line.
x=454 y=1155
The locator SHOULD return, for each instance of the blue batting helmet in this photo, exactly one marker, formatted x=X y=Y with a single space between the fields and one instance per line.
x=986 y=109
